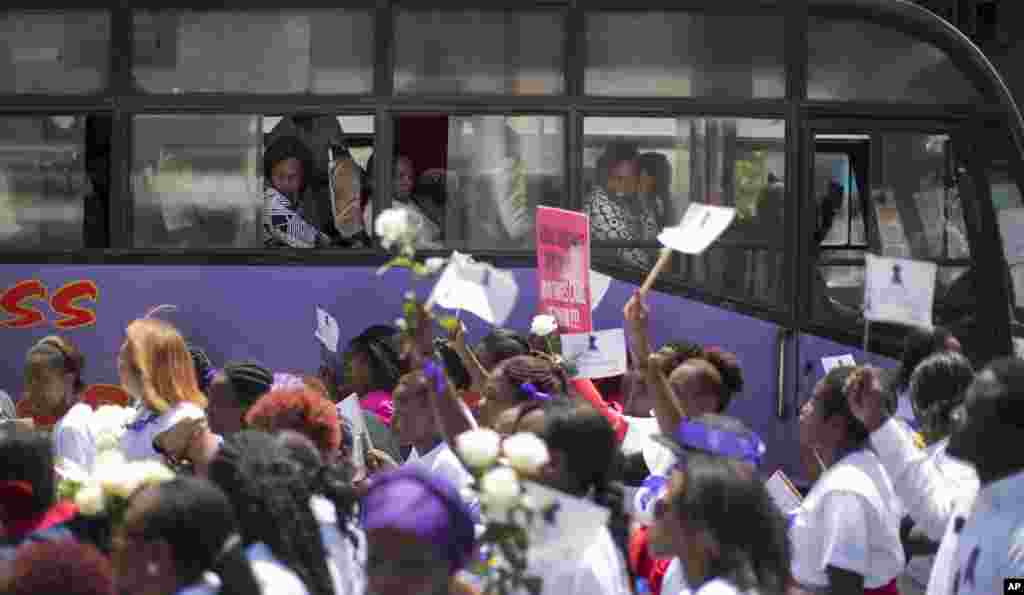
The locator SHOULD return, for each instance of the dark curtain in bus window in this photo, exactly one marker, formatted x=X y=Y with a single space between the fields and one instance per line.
x=641 y=174
x=44 y=184
x=66 y=52
x=479 y=52
x=679 y=54
x=860 y=61
x=324 y=51
x=196 y=181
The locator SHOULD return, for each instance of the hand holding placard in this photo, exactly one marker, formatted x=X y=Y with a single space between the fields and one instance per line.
x=701 y=225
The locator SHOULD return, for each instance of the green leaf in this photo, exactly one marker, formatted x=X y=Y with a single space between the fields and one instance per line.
x=449 y=323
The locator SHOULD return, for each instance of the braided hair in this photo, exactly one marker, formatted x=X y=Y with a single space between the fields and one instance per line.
x=270 y=495
x=539 y=369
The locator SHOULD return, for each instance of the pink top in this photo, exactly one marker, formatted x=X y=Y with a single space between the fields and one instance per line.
x=380 y=404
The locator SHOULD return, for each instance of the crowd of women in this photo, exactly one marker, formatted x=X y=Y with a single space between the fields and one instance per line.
x=914 y=476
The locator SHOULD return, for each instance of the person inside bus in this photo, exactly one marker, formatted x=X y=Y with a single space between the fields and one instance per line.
x=614 y=205
x=318 y=134
x=655 y=188
x=424 y=210
x=846 y=535
x=157 y=371
x=285 y=168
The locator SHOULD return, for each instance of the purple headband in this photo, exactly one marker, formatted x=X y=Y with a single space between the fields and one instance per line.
x=720 y=442
x=426 y=505
x=435 y=373
x=532 y=394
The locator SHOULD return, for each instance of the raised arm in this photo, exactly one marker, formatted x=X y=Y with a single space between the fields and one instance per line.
x=668 y=409
x=477 y=373
x=636 y=316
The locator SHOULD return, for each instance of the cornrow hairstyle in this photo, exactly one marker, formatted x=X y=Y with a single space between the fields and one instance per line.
x=937 y=386
x=539 y=369
x=270 y=495
x=380 y=345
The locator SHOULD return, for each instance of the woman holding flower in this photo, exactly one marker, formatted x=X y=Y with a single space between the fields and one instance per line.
x=156 y=369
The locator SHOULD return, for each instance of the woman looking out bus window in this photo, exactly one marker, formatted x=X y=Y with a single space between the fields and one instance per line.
x=286 y=166
x=156 y=369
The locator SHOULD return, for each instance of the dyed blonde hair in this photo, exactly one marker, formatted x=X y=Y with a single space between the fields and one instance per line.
x=158 y=355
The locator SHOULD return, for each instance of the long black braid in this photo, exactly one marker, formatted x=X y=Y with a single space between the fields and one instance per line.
x=271 y=497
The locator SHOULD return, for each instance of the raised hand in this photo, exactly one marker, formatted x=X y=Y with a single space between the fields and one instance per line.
x=636 y=312
x=865 y=398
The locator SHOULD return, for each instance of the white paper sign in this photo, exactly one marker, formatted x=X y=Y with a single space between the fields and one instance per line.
x=899 y=291
x=599 y=285
x=783 y=493
x=701 y=225
x=1011 y=225
x=476 y=287
x=829 y=363
x=600 y=354
x=349 y=409
x=327 y=330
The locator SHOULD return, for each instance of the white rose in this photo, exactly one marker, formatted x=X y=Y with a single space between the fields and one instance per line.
x=153 y=472
x=410 y=296
x=401 y=324
x=434 y=264
x=478 y=448
x=543 y=325
x=89 y=499
x=500 y=490
x=109 y=458
x=526 y=452
x=390 y=226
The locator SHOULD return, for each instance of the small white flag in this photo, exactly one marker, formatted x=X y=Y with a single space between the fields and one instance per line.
x=350 y=409
x=830 y=363
x=600 y=354
x=599 y=284
x=476 y=287
x=899 y=291
x=327 y=330
x=783 y=493
x=701 y=225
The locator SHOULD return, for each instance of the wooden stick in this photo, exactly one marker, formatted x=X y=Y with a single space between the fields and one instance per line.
x=663 y=260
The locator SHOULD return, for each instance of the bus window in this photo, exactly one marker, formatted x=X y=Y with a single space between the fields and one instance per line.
x=56 y=53
x=51 y=180
x=323 y=51
x=1009 y=206
x=861 y=61
x=914 y=212
x=477 y=180
x=202 y=181
x=640 y=175
x=479 y=52
x=678 y=54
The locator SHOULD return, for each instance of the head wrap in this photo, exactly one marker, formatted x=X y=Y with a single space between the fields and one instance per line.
x=249 y=379
x=695 y=435
x=426 y=505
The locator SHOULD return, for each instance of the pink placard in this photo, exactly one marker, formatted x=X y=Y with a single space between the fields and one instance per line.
x=563 y=268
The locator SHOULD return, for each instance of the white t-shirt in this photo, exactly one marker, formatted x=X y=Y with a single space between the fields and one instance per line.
x=137 y=442
x=919 y=569
x=272 y=575
x=638 y=433
x=719 y=587
x=596 y=570
x=675 y=582
x=850 y=520
x=346 y=560
x=73 y=438
x=991 y=546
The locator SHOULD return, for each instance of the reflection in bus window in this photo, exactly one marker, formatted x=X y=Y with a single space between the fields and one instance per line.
x=196 y=181
x=247 y=181
x=486 y=174
x=860 y=61
x=44 y=182
x=640 y=175
x=58 y=53
x=678 y=54
x=479 y=52
x=914 y=212
x=322 y=51
x=841 y=221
